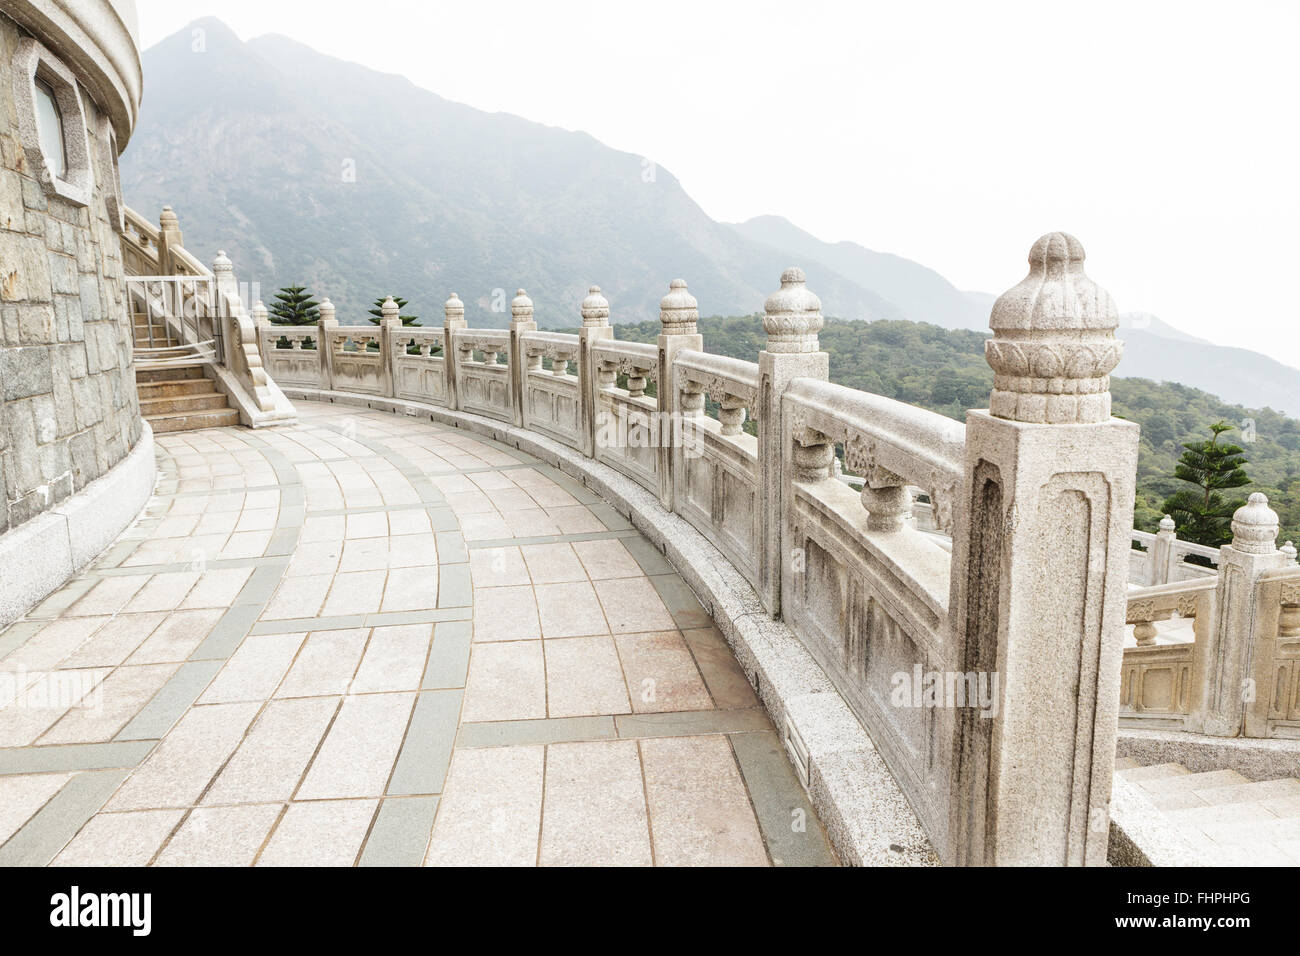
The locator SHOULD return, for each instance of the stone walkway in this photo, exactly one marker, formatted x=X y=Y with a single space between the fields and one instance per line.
x=371 y=640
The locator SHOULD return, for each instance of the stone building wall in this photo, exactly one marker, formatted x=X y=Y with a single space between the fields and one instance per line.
x=68 y=406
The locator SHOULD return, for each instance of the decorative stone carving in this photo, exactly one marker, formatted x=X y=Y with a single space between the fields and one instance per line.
x=595 y=309
x=453 y=311
x=222 y=267
x=1053 y=345
x=1290 y=551
x=327 y=311
x=678 y=310
x=521 y=307
x=792 y=316
x=1167 y=525
x=1255 y=526
x=389 y=310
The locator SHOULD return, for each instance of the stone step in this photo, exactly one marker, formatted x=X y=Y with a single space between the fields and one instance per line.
x=1157 y=771
x=1126 y=763
x=169 y=374
x=1258 y=834
x=169 y=388
x=1285 y=807
x=189 y=421
x=160 y=405
x=1193 y=781
x=1255 y=792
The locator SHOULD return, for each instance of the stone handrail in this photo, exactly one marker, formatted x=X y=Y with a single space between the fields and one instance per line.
x=716 y=464
x=1162 y=557
x=637 y=360
x=892 y=445
x=212 y=312
x=1162 y=681
x=1239 y=675
x=1037 y=496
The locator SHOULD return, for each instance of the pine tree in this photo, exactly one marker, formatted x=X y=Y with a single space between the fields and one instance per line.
x=293 y=306
x=1205 y=515
x=377 y=312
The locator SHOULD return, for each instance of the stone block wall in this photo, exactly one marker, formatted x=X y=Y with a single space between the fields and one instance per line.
x=68 y=405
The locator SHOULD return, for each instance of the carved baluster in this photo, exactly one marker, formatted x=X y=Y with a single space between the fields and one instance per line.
x=560 y=365
x=636 y=382
x=813 y=456
x=732 y=414
x=888 y=501
x=607 y=375
x=692 y=399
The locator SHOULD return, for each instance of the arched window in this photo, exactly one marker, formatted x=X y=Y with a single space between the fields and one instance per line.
x=49 y=125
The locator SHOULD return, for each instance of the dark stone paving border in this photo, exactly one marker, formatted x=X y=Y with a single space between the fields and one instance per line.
x=50 y=829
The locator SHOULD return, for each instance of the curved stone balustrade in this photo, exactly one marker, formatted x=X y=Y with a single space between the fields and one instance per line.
x=838 y=607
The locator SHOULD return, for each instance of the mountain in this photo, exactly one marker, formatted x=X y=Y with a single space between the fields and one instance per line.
x=309 y=169
x=920 y=292
x=1153 y=348
x=357 y=183
x=1239 y=376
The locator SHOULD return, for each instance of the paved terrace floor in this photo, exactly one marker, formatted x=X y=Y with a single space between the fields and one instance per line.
x=370 y=640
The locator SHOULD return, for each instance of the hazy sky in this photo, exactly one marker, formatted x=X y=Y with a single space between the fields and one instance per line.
x=1164 y=135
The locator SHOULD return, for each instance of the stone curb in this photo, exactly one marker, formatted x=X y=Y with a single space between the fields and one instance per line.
x=40 y=555
x=862 y=807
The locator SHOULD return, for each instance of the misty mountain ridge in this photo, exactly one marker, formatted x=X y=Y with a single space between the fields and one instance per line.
x=356 y=183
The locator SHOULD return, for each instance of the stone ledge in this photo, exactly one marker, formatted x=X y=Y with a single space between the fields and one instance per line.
x=864 y=810
x=1258 y=759
x=1140 y=835
x=39 y=555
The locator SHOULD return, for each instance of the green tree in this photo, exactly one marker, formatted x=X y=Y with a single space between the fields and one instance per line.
x=377 y=313
x=1205 y=515
x=292 y=305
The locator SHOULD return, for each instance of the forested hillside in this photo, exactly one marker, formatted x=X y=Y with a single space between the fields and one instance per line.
x=944 y=370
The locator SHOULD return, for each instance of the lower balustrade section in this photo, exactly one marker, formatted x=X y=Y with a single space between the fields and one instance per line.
x=419 y=365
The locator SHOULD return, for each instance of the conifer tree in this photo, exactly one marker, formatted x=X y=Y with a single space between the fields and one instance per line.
x=292 y=305
x=1204 y=515
x=377 y=313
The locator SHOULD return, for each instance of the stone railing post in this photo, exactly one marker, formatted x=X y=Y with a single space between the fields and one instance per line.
x=390 y=324
x=453 y=311
x=261 y=322
x=1162 y=553
x=1230 y=687
x=1040 y=574
x=225 y=295
x=679 y=318
x=521 y=321
x=792 y=318
x=595 y=327
x=169 y=238
x=324 y=345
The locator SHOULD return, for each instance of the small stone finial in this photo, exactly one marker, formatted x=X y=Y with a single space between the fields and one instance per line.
x=1255 y=526
x=453 y=310
x=260 y=314
x=595 y=309
x=1053 y=345
x=1167 y=524
x=327 y=311
x=167 y=218
x=678 y=311
x=521 y=307
x=792 y=316
x=221 y=264
x=1289 y=550
x=389 y=309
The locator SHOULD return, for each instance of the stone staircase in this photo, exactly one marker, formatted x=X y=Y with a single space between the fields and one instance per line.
x=182 y=398
x=1229 y=819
